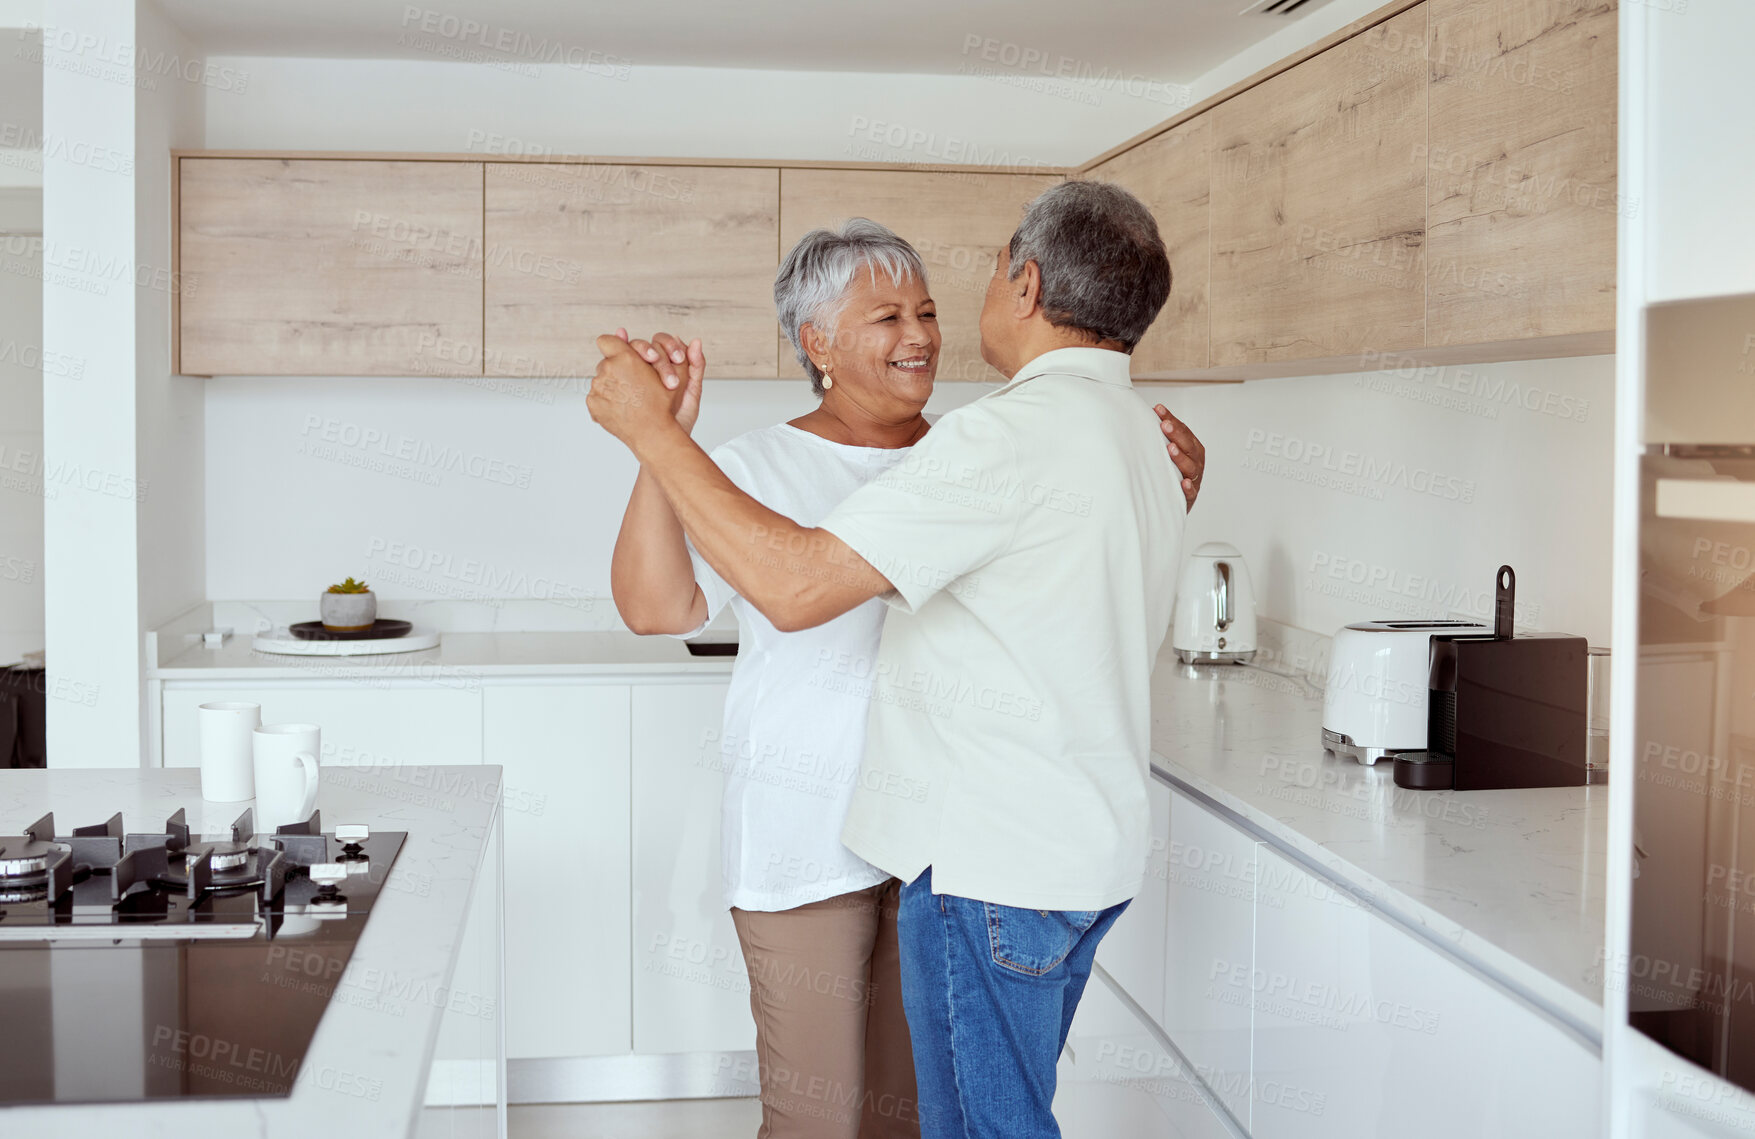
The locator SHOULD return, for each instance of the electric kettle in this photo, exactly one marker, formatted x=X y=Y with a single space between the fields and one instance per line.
x=1215 y=608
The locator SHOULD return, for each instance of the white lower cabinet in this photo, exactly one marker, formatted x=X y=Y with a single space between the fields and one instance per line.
x=1362 y=1029
x=1210 y=934
x=690 y=990
x=365 y=724
x=564 y=749
x=466 y=1069
x=1116 y=1081
x=1133 y=950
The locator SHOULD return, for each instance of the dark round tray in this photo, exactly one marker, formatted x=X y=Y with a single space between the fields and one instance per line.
x=381 y=630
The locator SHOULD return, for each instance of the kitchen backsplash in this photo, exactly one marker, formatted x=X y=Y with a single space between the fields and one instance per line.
x=1399 y=493
x=1385 y=494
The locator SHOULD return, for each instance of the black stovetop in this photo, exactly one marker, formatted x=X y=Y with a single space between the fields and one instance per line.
x=167 y=965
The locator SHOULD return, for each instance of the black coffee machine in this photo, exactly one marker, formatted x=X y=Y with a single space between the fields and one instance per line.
x=1503 y=710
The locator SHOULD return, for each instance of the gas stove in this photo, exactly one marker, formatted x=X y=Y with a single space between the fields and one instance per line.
x=100 y=883
x=162 y=964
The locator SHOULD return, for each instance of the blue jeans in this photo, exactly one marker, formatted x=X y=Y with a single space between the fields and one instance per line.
x=990 y=993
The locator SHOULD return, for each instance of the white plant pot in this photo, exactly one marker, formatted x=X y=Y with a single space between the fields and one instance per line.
x=346 y=612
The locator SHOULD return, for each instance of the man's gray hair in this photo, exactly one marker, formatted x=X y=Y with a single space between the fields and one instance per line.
x=1104 y=269
x=811 y=286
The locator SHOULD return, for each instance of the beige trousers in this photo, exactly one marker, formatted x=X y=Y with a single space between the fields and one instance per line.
x=832 y=1046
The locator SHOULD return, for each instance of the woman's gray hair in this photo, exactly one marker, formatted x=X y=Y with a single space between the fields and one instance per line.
x=812 y=283
x=1104 y=269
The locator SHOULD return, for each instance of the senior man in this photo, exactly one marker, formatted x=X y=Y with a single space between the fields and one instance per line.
x=1028 y=546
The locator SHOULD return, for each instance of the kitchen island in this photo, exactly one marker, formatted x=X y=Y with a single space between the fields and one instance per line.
x=367 y=1069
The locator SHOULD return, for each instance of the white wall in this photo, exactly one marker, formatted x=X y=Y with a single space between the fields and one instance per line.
x=1695 y=212
x=21 y=334
x=1397 y=494
x=21 y=105
x=90 y=595
x=1425 y=482
x=122 y=454
x=169 y=115
x=21 y=424
x=312 y=480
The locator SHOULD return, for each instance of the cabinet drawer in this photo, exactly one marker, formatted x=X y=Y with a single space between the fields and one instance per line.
x=1116 y=1079
x=1133 y=951
x=1210 y=933
x=691 y=993
x=1363 y=1029
x=564 y=749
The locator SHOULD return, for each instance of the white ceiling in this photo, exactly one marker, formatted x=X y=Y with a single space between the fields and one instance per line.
x=1162 y=40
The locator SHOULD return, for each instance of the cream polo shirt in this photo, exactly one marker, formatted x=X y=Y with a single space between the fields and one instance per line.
x=1032 y=538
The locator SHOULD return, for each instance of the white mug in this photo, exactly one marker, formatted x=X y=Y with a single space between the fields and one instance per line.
x=227 y=763
x=286 y=773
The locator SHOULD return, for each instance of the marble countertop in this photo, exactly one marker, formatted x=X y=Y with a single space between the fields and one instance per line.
x=1511 y=882
x=470 y=655
x=366 y=1070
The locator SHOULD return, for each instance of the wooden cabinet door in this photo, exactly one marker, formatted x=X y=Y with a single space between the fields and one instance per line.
x=329 y=268
x=1172 y=174
x=574 y=251
x=1520 y=169
x=957 y=221
x=1319 y=204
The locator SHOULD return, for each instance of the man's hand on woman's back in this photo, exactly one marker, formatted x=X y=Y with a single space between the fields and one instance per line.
x=1186 y=451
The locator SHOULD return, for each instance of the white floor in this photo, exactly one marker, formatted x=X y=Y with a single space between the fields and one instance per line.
x=665 y=1119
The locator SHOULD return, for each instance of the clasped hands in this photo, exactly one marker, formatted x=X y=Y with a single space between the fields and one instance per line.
x=643 y=387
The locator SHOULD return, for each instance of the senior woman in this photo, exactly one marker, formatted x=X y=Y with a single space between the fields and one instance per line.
x=817 y=924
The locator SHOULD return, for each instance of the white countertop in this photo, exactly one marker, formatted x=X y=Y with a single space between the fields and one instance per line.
x=366 y=1070
x=1512 y=882
x=468 y=655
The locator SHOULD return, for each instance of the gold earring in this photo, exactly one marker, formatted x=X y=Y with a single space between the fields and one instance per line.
x=828 y=380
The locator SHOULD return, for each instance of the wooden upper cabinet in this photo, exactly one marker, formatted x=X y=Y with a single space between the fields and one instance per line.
x=575 y=250
x=329 y=267
x=1521 y=169
x=1319 y=204
x=958 y=222
x=1171 y=174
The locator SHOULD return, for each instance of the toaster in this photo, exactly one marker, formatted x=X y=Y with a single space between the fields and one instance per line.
x=1376 y=701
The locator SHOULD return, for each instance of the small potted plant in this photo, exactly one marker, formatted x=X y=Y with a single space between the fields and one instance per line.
x=348 y=607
